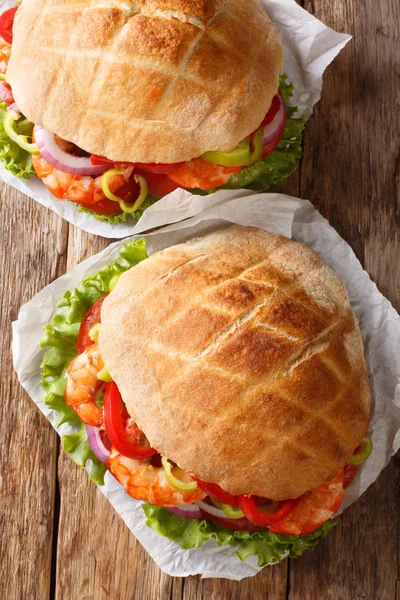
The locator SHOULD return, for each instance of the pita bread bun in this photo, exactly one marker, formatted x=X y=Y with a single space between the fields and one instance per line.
x=148 y=80
x=240 y=358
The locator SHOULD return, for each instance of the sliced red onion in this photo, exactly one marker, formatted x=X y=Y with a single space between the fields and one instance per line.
x=187 y=511
x=211 y=509
x=272 y=130
x=96 y=444
x=75 y=165
x=14 y=107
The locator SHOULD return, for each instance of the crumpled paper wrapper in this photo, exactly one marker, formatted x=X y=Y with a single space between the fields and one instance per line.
x=309 y=47
x=379 y=322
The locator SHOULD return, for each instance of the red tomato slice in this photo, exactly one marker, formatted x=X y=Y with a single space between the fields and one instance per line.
x=159 y=185
x=91 y=318
x=122 y=431
x=236 y=524
x=6 y=24
x=158 y=168
x=212 y=489
x=5 y=93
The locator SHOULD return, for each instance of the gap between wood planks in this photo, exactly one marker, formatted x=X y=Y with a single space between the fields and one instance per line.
x=56 y=522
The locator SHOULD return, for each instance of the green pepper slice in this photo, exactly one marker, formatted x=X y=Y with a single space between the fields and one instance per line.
x=21 y=140
x=366 y=449
x=238 y=157
x=232 y=512
x=174 y=481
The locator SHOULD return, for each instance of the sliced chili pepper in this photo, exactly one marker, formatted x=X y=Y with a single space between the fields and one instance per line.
x=362 y=452
x=124 y=434
x=256 y=516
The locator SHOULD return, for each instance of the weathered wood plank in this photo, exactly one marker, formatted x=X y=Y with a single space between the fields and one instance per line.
x=32 y=253
x=270 y=583
x=349 y=171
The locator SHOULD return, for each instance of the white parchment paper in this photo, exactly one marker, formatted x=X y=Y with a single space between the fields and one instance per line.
x=309 y=47
x=380 y=325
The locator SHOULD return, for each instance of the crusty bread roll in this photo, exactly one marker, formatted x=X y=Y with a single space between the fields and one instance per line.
x=145 y=80
x=240 y=358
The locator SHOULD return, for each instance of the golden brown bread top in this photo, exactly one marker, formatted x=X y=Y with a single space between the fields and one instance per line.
x=145 y=80
x=239 y=357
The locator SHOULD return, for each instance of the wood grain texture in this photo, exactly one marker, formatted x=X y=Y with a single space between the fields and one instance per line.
x=351 y=171
x=32 y=254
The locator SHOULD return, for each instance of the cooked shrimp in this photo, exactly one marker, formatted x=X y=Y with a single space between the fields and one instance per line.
x=144 y=481
x=5 y=88
x=5 y=53
x=198 y=173
x=82 y=385
x=82 y=189
x=315 y=507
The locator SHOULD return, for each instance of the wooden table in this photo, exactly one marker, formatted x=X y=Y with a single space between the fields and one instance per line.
x=59 y=537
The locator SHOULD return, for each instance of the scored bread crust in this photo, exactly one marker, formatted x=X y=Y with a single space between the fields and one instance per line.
x=145 y=80
x=240 y=358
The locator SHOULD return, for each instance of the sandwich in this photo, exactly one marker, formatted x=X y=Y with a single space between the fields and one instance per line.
x=114 y=105
x=222 y=382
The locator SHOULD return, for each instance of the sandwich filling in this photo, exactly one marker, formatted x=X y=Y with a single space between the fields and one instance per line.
x=82 y=392
x=113 y=190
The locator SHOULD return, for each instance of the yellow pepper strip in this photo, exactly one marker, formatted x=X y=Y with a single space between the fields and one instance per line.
x=238 y=157
x=232 y=512
x=129 y=208
x=94 y=332
x=104 y=183
x=257 y=141
x=174 y=481
x=104 y=375
x=144 y=190
x=366 y=449
x=21 y=140
x=2 y=77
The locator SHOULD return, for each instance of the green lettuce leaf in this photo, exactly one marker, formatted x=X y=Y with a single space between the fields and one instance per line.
x=268 y=547
x=77 y=446
x=15 y=159
x=59 y=339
